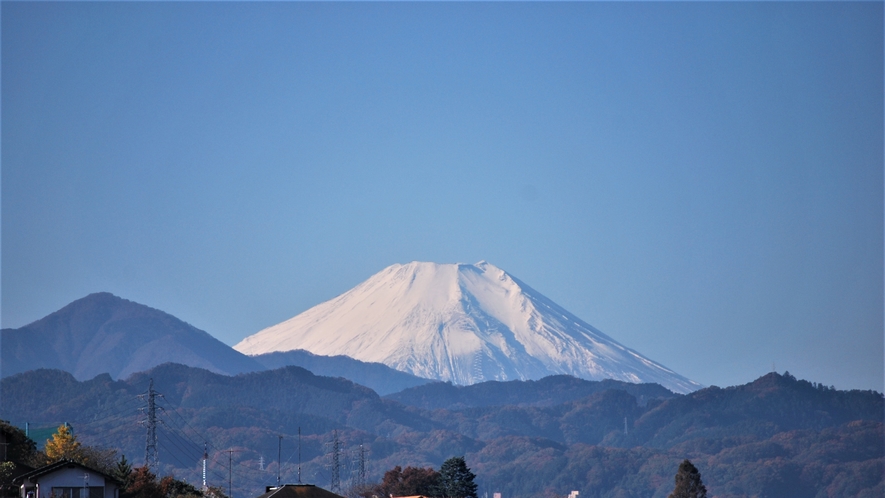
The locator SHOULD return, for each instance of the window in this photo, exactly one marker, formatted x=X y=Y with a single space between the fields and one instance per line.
x=81 y=492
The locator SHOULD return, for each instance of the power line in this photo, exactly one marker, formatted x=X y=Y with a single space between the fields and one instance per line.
x=184 y=447
x=177 y=436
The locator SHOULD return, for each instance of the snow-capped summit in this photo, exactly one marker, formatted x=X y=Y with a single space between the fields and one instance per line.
x=460 y=323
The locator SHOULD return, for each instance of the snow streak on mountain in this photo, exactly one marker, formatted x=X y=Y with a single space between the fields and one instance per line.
x=460 y=323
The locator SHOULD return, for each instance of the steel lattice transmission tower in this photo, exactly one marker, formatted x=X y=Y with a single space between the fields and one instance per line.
x=335 y=484
x=151 y=457
x=360 y=468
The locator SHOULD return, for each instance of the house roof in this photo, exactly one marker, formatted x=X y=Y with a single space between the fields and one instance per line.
x=299 y=491
x=48 y=469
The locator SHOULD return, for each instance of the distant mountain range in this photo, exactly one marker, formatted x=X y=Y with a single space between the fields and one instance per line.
x=102 y=333
x=775 y=437
x=549 y=391
x=462 y=324
x=405 y=326
x=380 y=378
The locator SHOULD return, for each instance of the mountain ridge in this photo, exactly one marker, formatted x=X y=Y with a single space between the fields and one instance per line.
x=104 y=333
x=377 y=376
x=746 y=439
x=548 y=391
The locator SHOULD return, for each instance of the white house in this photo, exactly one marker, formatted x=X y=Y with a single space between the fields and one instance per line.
x=67 y=479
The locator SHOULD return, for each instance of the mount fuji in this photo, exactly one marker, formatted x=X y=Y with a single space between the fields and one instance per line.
x=460 y=323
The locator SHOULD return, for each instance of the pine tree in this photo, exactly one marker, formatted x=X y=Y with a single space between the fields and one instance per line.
x=63 y=445
x=688 y=482
x=123 y=472
x=456 y=480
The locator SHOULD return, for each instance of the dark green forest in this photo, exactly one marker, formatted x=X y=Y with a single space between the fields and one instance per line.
x=777 y=436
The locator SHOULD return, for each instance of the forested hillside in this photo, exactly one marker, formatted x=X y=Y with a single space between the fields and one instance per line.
x=777 y=436
x=548 y=391
x=377 y=376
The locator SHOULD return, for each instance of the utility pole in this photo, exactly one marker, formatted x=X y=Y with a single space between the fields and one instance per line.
x=299 y=454
x=279 y=459
x=230 y=471
x=151 y=458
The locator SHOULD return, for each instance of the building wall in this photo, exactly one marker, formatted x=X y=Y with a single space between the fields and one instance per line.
x=72 y=477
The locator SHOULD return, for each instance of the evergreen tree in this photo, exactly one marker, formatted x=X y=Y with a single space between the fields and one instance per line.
x=63 y=445
x=688 y=482
x=6 y=473
x=20 y=448
x=123 y=472
x=456 y=480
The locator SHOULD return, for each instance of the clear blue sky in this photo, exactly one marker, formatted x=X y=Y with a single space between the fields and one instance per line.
x=701 y=181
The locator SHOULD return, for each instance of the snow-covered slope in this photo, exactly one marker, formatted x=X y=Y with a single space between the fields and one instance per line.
x=460 y=323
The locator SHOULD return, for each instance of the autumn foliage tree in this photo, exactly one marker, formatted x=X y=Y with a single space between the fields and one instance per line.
x=410 y=481
x=142 y=483
x=173 y=488
x=63 y=445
